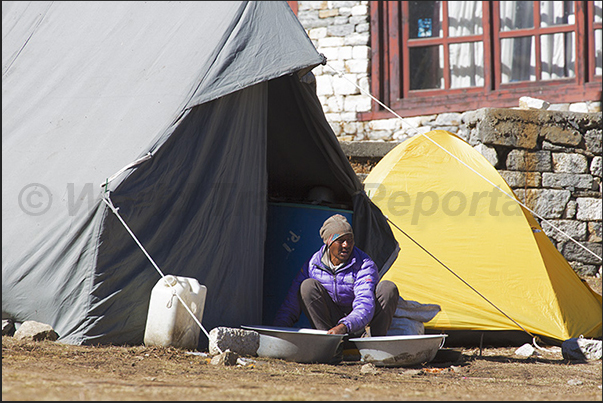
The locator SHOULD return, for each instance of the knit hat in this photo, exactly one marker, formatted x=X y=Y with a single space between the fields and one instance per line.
x=334 y=227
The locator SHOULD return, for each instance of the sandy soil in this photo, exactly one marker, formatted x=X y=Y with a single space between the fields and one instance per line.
x=53 y=371
x=48 y=370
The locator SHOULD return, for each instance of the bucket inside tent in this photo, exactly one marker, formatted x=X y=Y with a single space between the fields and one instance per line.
x=292 y=238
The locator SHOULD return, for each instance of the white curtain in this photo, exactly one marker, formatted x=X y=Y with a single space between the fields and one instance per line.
x=517 y=55
x=466 y=59
x=558 y=56
x=598 y=38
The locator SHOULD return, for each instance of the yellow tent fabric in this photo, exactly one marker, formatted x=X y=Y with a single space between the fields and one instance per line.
x=483 y=236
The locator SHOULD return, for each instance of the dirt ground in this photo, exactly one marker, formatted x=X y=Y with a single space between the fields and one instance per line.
x=46 y=370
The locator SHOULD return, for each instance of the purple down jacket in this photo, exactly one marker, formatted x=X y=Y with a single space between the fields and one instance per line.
x=352 y=285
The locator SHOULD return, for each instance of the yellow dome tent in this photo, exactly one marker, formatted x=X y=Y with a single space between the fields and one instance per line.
x=497 y=269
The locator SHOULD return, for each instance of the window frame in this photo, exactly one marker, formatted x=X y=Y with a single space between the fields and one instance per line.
x=390 y=48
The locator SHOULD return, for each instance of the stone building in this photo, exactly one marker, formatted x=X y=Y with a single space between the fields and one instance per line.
x=550 y=154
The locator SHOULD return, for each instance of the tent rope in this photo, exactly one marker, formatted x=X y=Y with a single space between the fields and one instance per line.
x=462 y=280
x=107 y=199
x=465 y=164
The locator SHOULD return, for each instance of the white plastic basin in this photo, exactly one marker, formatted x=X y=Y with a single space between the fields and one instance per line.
x=299 y=345
x=398 y=351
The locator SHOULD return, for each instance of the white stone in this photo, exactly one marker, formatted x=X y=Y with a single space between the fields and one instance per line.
x=331 y=52
x=357 y=66
x=579 y=107
x=525 y=351
x=361 y=52
x=379 y=135
x=357 y=38
x=334 y=104
x=488 y=153
x=448 y=119
x=532 y=103
x=36 y=331
x=324 y=85
x=569 y=163
x=240 y=341
x=363 y=27
x=595 y=166
x=346 y=52
x=589 y=209
x=356 y=103
x=360 y=9
x=317 y=33
x=559 y=107
x=345 y=85
x=330 y=41
x=350 y=128
x=384 y=124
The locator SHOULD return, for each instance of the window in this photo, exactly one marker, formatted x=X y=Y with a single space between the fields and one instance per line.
x=442 y=56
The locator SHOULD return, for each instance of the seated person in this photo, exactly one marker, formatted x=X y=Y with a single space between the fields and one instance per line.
x=338 y=288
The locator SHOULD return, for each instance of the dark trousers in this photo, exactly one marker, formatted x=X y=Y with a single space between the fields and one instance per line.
x=324 y=314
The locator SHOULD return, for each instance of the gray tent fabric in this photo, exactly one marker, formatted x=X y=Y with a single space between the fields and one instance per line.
x=190 y=117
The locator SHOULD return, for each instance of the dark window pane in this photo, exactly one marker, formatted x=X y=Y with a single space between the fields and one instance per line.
x=426 y=70
x=425 y=19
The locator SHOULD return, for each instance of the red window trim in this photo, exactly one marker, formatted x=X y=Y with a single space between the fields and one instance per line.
x=387 y=84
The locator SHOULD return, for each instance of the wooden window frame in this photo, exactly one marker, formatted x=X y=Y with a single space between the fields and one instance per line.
x=390 y=81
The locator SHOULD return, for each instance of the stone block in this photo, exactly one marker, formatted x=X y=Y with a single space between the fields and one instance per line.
x=571 y=251
x=517 y=179
x=595 y=166
x=508 y=127
x=521 y=160
x=589 y=209
x=228 y=358
x=594 y=231
x=573 y=228
x=561 y=135
x=592 y=139
x=581 y=349
x=548 y=203
x=565 y=181
x=36 y=331
x=488 y=152
x=532 y=103
x=240 y=341
x=448 y=119
x=569 y=163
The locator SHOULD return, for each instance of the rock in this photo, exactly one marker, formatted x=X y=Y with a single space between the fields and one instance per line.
x=36 y=331
x=8 y=327
x=228 y=358
x=525 y=351
x=240 y=341
x=368 y=369
x=581 y=349
x=532 y=103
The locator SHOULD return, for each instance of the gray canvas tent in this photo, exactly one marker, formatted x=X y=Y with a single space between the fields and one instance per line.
x=191 y=118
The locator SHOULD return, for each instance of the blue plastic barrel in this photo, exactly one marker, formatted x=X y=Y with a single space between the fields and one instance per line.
x=292 y=238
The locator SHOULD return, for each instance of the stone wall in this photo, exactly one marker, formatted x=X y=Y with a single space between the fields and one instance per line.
x=341 y=31
x=551 y=160
x=549 y=154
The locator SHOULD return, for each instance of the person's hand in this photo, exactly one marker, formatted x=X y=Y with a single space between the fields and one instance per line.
x=339 y=329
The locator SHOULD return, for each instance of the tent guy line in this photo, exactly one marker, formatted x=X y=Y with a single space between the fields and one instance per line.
x=465 y=164
x=467 y=284
x=107 y=199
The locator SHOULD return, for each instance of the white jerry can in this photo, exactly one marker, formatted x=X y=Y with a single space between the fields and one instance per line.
x=168 y=322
